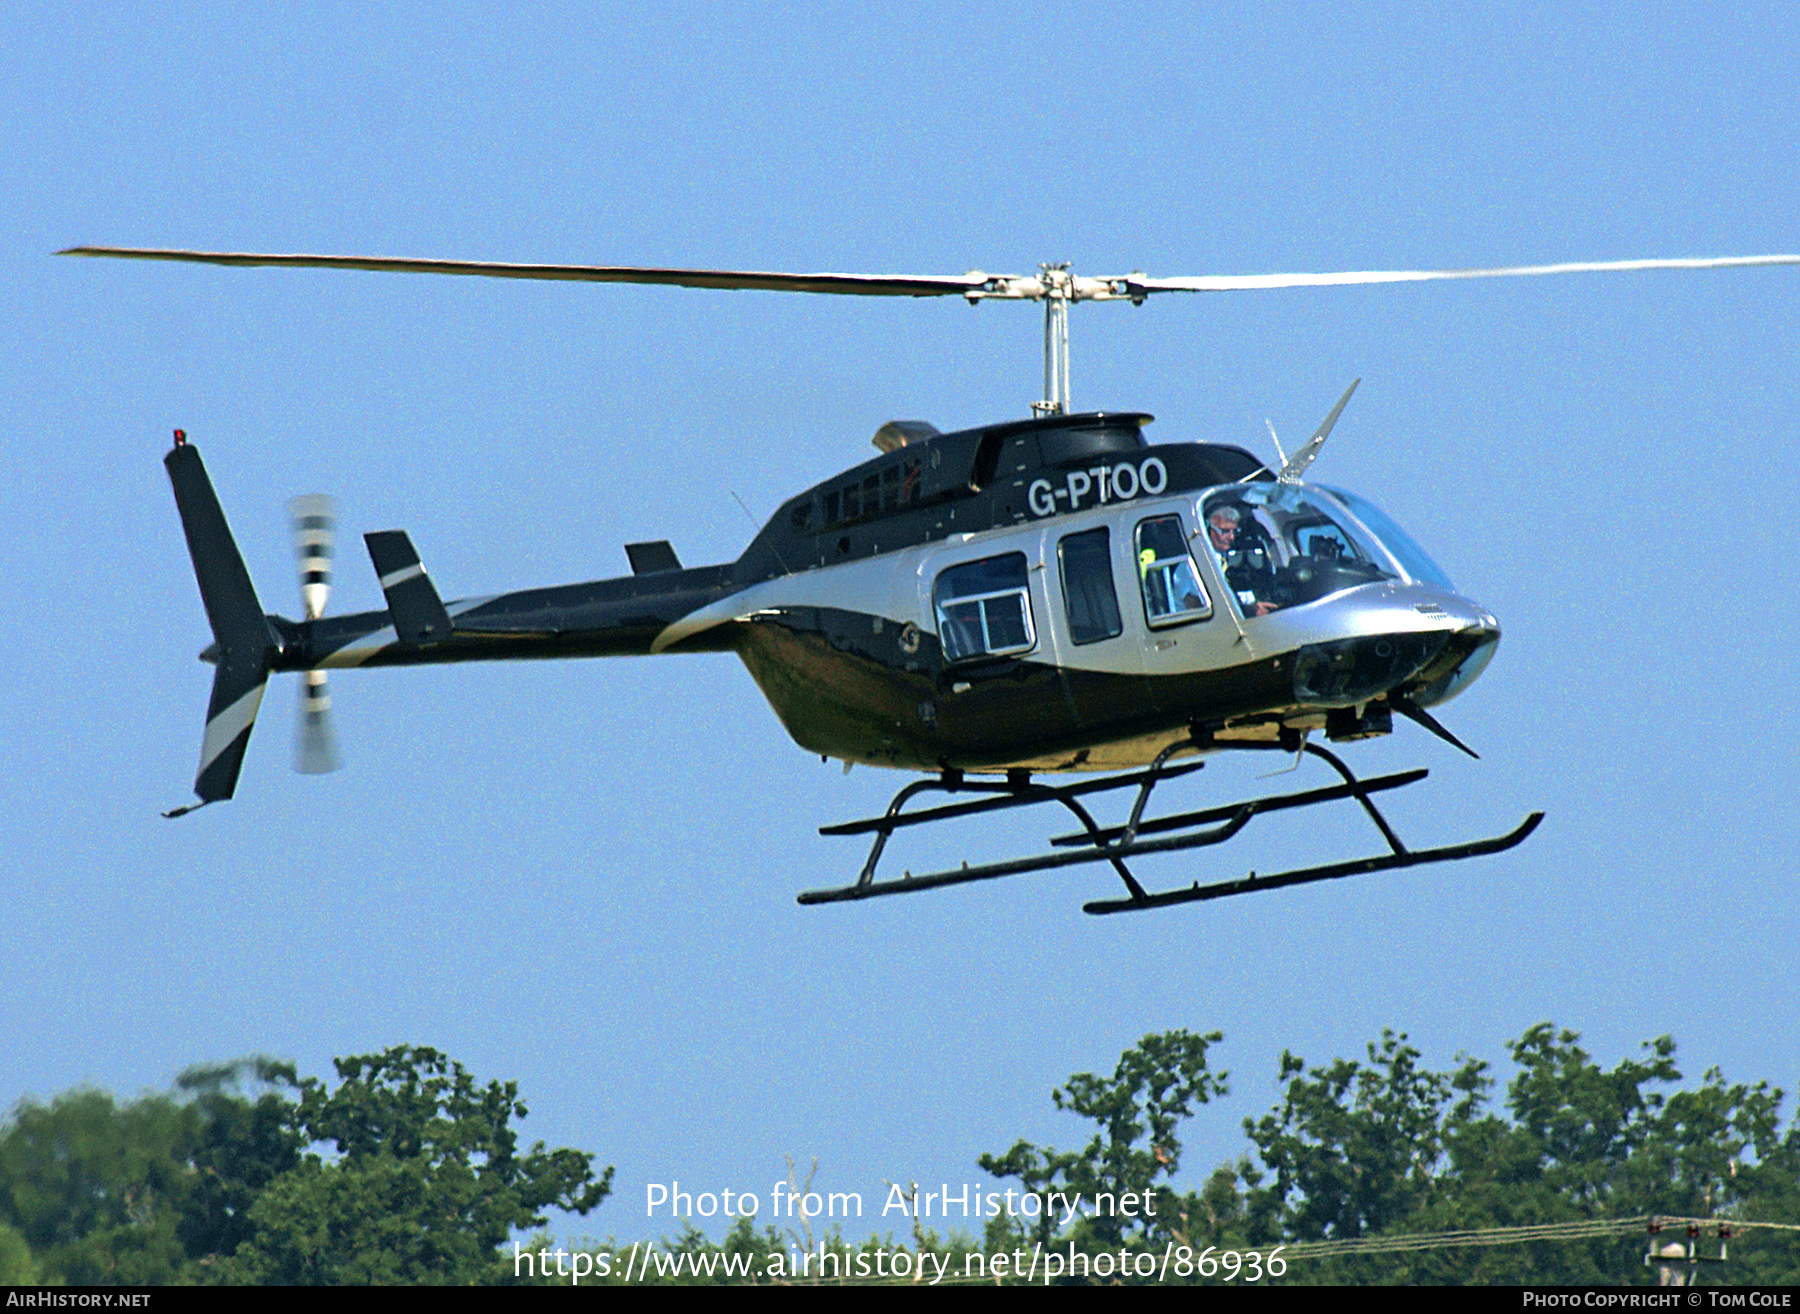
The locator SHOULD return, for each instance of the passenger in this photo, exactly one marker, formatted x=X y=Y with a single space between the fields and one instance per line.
x=1172 y=591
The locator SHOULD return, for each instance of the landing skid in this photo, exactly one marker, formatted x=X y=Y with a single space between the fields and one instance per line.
x=1173 y=833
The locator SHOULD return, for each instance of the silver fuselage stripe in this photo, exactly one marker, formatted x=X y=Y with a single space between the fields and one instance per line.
x=361 y=648
x=895 y=588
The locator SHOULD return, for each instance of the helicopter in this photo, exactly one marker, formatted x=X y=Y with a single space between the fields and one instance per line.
x=1036 y=611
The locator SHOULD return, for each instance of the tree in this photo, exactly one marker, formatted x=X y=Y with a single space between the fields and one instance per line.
x=1386 y=1148
x=240 y=1146
x=104 y=1192
x=1391 y=1148
x=426 y=1184
x=1586 y=1142
x=17 y=1267
x=95 y=1189
x=1156 y=1085
x=423 y=1183
x=1356 y=1148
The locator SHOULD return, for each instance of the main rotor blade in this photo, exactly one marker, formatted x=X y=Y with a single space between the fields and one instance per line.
x=1140 y=285
x=1056 y=283
x=867 y=285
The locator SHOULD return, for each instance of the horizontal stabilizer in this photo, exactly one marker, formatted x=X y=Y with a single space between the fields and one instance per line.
x=413 y=602
x=652 y=558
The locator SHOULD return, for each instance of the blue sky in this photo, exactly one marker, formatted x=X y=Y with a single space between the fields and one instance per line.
x=580 y=876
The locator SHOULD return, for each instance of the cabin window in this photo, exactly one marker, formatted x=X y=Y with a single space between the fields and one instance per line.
x=1090 y=601
x=1172 y=589
x=893 y=488
x=984 y=608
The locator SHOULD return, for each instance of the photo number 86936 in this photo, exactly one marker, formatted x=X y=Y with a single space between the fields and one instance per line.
x=1232 y=1265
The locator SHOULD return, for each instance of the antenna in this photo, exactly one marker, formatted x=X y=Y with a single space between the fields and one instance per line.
x=1276 y=439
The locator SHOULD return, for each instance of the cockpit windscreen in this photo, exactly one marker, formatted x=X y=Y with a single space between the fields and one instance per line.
x=1279 y=545
x=1412 y=558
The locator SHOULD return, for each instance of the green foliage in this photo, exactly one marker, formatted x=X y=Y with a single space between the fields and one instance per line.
x=107 y=1193
x=243 y=1146
x=408 y=1170
x=427 y=1184
x=212 y=1184
x=17 y=1267
x=1354 y=1149
x=1389 y=1147
x=1365 y=1150
x=1156 y=1085
x=751 y=1256
x=93 y=1189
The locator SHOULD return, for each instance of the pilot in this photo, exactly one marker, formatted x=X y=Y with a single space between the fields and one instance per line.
x=1246 y=563
x=1222 y=528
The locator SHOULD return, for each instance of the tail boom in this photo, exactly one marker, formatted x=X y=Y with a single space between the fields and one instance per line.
x=625 y=616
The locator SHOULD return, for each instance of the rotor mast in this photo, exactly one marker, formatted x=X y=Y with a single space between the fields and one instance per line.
x=1056 y=342
x=1058 y=288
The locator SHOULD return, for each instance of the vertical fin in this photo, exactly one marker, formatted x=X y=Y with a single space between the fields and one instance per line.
x=232 y=608
x=246 y=643
x=230 y=716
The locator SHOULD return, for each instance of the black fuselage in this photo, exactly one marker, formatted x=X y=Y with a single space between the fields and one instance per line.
x=1031 y=536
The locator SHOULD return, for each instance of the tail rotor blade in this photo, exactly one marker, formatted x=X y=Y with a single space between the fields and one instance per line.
x=315 y=541
x=316 y=747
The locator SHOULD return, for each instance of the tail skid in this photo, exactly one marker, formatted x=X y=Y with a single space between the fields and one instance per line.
x=245 y=641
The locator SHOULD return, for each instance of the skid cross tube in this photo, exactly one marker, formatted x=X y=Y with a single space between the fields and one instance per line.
x=1019 y=791
x=870 y=888
x=1114 y=844
x=1013 y=796
x=1014 y=792
x=1205 y=816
